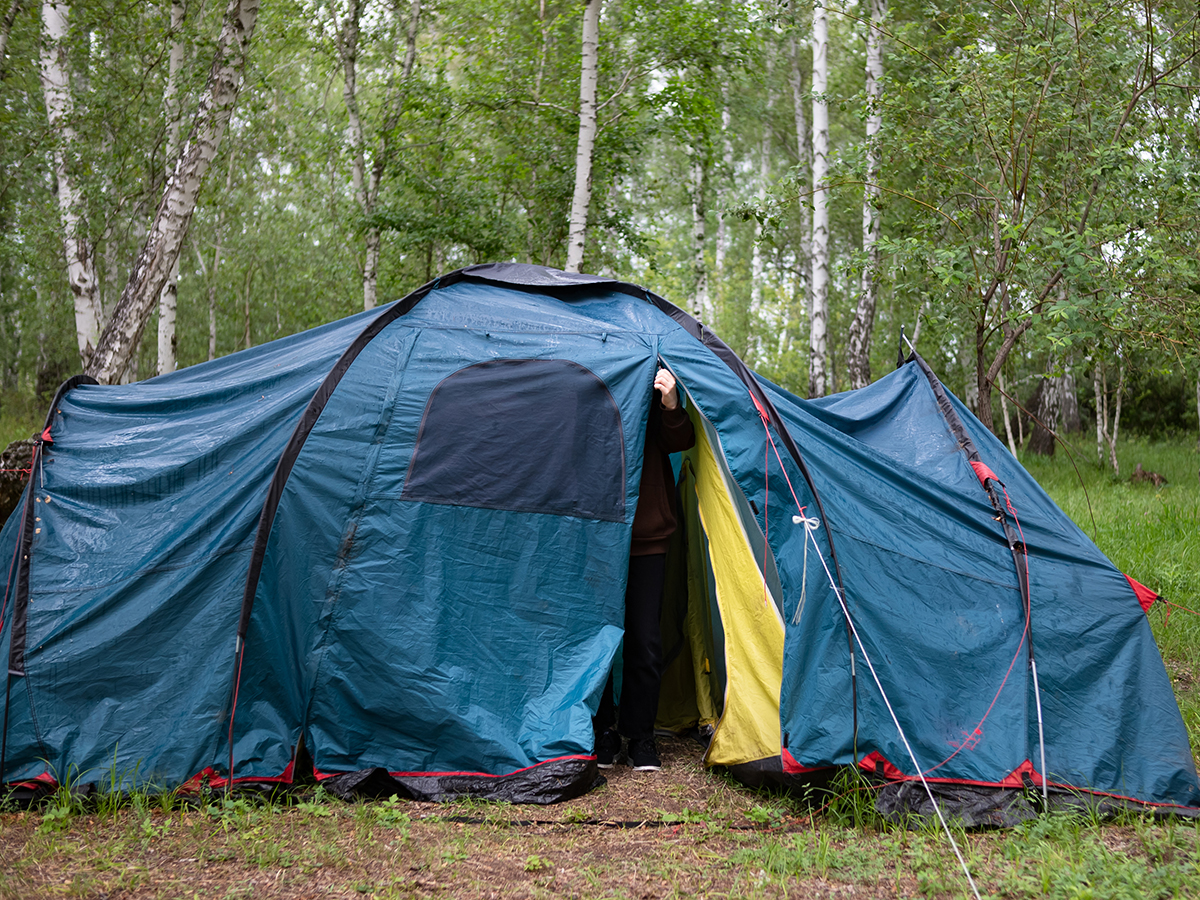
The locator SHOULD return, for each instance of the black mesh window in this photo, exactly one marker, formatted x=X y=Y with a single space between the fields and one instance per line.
x=531 y=435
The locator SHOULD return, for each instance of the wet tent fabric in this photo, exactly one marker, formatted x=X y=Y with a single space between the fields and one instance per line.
x=413 y=634
x=418 y=521
x=145 y=511
x=933 y=590
x=420 y=623
x=469 y=635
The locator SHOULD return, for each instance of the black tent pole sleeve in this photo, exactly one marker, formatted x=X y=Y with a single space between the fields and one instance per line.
x=16 y=655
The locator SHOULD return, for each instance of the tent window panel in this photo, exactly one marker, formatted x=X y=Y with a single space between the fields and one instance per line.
x=528 y=435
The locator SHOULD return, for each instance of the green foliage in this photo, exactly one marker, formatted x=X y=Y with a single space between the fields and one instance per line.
x=1040 y=174
x=535 y=863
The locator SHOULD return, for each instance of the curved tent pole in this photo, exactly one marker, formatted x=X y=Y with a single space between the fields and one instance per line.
x=287 y=459
x=504 y=274
x=517 y=277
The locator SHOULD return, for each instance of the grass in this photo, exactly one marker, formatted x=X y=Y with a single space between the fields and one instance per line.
x=703 y=835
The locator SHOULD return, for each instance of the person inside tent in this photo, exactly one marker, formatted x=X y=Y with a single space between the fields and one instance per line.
x=668 y=430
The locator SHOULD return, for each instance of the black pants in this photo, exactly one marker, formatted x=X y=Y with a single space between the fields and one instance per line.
x=642 y=657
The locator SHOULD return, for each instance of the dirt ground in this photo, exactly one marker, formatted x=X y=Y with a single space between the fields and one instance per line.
x=677 y=833
x=683 y=832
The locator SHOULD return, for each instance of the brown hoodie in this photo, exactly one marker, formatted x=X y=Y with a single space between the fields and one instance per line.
x=667 y=431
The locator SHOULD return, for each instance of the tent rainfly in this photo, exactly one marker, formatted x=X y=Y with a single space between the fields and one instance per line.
x=394 y=549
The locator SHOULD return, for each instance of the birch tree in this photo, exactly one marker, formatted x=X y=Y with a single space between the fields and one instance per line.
x=169 y=227
x=168 y=300
x=60 y=112
x=1055 y=168
x=858 y=345
x=722 y=236
x=367 y=171
x=588 y=75
x=817 y=377
x=757 y=268
x=803 y=162
x=701 y=302
x=1107 y=428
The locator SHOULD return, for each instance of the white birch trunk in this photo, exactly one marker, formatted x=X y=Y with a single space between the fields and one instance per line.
x=722 y=237
x=364 y=186
x=168 y=300
x=1004 y=412
x=701 y=305
x=582 y=199
x=77 y=248
x=1101 y=389
x=169 y=227
x=799 y=102
x=247 y=337
x=210 y=277
x=367 y=185
x=757 y=266
x=817 y=371
x=858 y=344
x=1112 y=435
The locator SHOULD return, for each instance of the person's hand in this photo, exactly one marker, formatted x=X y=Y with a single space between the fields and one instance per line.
x=664 y=383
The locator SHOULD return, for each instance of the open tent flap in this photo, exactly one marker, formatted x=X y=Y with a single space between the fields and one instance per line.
x=693 y=687
x=721 y=614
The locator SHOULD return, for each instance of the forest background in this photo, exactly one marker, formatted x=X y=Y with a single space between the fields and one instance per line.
x=1015 y=184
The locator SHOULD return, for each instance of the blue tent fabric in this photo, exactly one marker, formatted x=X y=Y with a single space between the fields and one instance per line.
x=935 y=597
x=401 y=541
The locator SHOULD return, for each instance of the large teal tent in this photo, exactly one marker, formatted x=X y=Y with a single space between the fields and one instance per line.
x=396 y=546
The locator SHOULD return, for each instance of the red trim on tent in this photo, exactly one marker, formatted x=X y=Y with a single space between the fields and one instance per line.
x=214 y=780
x=37 y=781
x=321 y=776
x=983 y=473
x=1013 y=780
x=1145 y=596
x=791 y=767
x=877 y=763
x=45 y=780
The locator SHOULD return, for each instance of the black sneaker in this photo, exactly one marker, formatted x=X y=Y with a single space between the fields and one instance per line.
x=643 y=756
x=608 y=745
